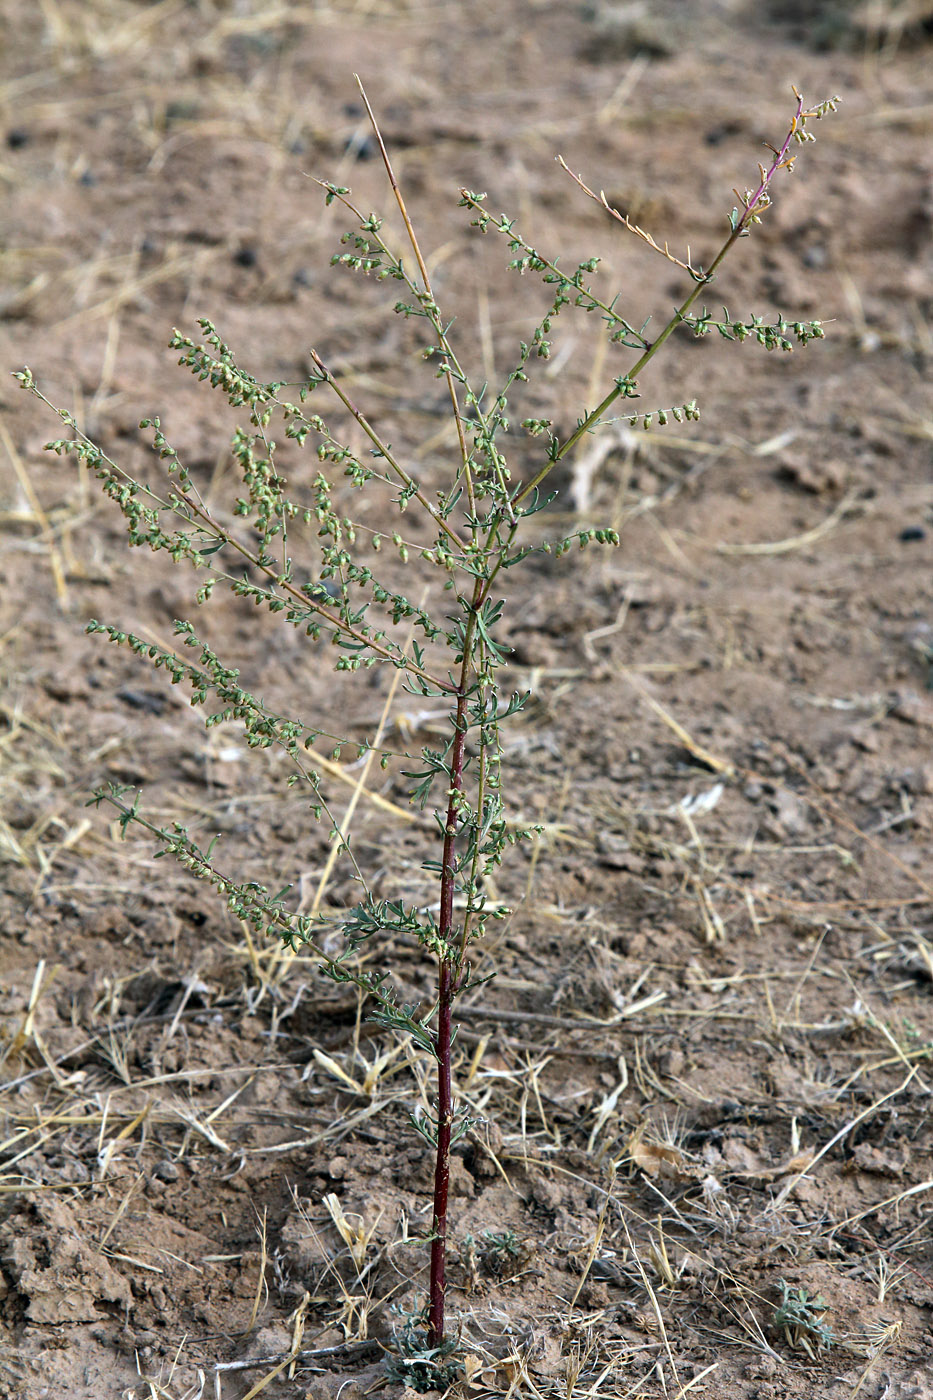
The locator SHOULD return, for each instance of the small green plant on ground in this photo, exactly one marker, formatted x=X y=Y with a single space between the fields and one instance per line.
x=498 y=1251
x=447 y=647
x=800 y=1320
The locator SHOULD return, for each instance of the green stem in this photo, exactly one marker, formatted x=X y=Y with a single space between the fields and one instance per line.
x=382 y=448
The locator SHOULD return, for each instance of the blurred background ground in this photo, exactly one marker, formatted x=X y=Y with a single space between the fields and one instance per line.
x=718 y=975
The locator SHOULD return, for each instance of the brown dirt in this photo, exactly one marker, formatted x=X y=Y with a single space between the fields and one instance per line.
x=692 y=1004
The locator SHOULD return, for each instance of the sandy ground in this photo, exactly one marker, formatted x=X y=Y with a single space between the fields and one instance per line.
x=703 y=1067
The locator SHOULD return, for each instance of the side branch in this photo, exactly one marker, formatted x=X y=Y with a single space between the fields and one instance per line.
x=435 y=317
x=408 y=482
x=695 y=272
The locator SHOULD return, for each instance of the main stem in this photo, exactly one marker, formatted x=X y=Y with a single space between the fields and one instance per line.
x=448 y=980
x=445 y=1115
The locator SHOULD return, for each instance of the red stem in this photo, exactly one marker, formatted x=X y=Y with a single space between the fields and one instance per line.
x=442 y=1165
x=448 y=980
x=767 y=176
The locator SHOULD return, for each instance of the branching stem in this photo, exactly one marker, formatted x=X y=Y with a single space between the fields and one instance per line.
x=752 y=202
x=408 y=482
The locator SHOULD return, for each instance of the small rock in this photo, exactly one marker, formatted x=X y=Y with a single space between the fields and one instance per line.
x=462 y=1184
x=913 y=708
x=361 y=147
x=816 y=477
x=761 y=1369
x=671 y=1064
x=276 y=1339
x=66 y=686
x=791 y=813
x=149 y=701
x=920 y=780
x=547 y=1193
x=879 y=1161
x=865 y=738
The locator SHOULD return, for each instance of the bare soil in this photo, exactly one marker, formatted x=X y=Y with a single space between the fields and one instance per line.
x=702 y=1071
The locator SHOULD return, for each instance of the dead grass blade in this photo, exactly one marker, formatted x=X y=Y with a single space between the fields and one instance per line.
x=659 y=1316
x=597 y=1234
x=794 y=1182
x=27 y=1029
x=46 y=533
x=888 y=1201
x=121 y=1209
x=708 y=760
x=261 y=1286
x=847 y=506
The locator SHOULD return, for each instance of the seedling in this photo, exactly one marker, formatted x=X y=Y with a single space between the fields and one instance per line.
x=500 y=1251
x=800 y=1319
x=417 y=1364
x=447 y=649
